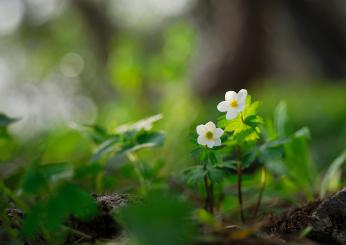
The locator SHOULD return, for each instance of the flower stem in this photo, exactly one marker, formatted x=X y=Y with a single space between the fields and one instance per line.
x=259 y=200
x=211 y=195
x=209 y=202
x=240 y=194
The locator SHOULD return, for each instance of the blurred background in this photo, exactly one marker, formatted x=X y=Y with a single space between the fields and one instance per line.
x=68 y=63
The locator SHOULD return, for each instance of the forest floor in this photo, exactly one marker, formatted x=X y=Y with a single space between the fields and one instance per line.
x=318 y=222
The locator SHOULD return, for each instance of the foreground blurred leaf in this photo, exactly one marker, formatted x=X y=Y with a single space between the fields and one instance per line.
x=160 y=219
x=49 y=215
x=38 y=177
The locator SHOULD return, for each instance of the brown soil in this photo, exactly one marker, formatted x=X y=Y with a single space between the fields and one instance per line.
x=292 y=221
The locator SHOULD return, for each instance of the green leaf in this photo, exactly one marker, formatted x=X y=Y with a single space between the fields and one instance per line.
x=32 y=220
x=55 y=171
x=81 y=203
x=144 y=124
x=298 y=161
x=38 y=176
x=153 y=138
x=231 y=164
x=6 y=121
x=281 y=119
x=98 y=134
x=303 y=133
x=215 y=174
x=195 y=174
x=212 y=157
x=33 y=181
x=245 y=126
x=271 y=150
x=105 y=147
x=331 y=180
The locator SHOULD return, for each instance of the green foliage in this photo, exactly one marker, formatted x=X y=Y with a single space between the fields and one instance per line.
x=298 y=161
x=49 y=215
x=245 y=127
x=160 y=219
x=38 y=176
x=129 y=138
x=50 y=193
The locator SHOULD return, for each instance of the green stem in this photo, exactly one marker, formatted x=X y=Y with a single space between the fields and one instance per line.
x=208 y=204
x=133 y=158
x=211 y=194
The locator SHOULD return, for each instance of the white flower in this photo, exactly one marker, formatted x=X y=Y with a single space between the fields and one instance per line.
x=234 y=103
x=209 y=135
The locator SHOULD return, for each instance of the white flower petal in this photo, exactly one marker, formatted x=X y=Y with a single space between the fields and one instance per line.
x=242 y=96
x=223 y=106
x=201 y=129
x=210 y=126
x=210 y=143
x=217 y=142
x=231 y=114
x=218 y=133
x=201 y=140
x=230 y=95
x=241 y=107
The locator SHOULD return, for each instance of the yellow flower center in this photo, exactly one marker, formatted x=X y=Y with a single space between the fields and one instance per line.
x=233 y=103
x=209 y=135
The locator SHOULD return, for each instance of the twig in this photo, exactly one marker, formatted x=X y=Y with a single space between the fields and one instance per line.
x=208 y=198
x=240 y=195
x=211 y=196
x=259 y=200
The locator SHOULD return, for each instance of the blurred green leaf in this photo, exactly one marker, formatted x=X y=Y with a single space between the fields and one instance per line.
x=215 y=174
x=160 y=219
x=38 y=176
x=49 y=215
x=146 y=124
x=195 y=174
x=331 y=180
x=105 y=147
x=298 y=162
x=281 y=119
